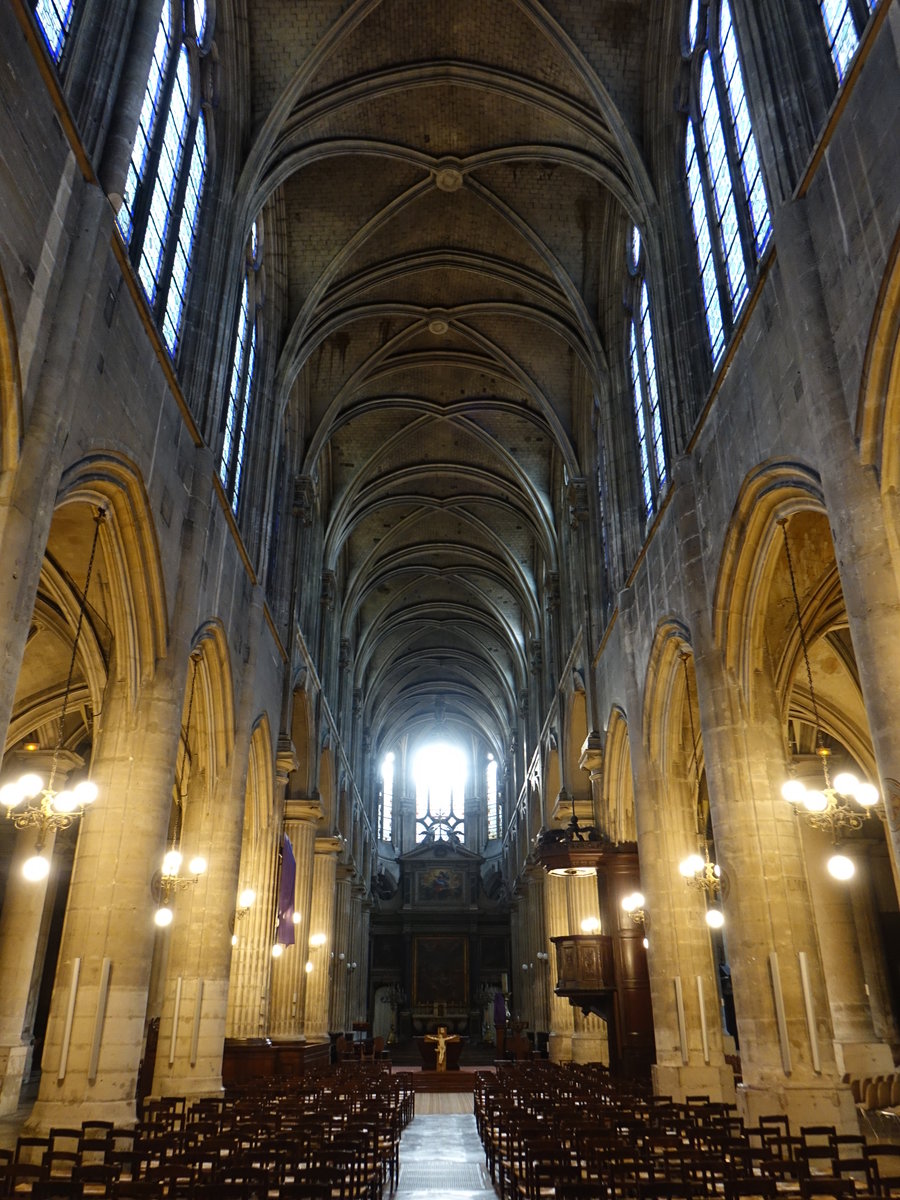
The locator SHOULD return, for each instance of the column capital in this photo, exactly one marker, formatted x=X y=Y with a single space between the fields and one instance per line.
x=331 y=844
x=304 y=808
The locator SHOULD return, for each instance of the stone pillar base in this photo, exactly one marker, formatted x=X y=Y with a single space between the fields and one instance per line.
x=559 y=1047
x=590 y=1048
x=12 y=1071
x=861 y=1059
x=825 y=1103
x=48 y=1114
x=680 y=1082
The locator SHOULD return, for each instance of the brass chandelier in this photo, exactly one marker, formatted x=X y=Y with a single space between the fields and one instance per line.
x=31 y=805
x=843 y=804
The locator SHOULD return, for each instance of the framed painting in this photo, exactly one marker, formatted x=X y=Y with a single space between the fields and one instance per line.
x=441 y=970
x=441 y=883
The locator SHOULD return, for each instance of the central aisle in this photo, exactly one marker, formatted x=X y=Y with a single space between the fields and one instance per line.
x=440 y=1155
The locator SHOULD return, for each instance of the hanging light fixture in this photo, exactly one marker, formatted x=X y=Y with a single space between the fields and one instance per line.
x=698 y=870
x=844 y=803
x=28 y=803
x=169 y=880
x=572 y=851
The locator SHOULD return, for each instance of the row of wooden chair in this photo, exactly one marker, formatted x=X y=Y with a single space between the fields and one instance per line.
x=334 y=1134
x=572 y=1131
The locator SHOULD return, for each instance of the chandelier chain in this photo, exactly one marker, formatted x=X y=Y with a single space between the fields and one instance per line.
x=60 y=732
x=783 y=522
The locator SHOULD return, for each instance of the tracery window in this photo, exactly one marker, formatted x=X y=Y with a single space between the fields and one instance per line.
x=55 y=18
x=386 y=815
x=644 y=380
x=494 y=815
x=439 y=772
x=164 y=184
x=844 y=21
x=727 y=196
x=240 y=392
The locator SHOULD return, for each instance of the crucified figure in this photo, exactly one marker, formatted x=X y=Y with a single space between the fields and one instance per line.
x=441 y=1038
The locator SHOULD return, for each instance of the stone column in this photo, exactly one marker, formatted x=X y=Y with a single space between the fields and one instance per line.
x=590 y=1039
x=856 y=514
x=109 y=933
x=844 y=933
x=321 y=923
x=342 y=948
x=766 y=902
x=562 y=1023
x=679 y=951
x=288 y=989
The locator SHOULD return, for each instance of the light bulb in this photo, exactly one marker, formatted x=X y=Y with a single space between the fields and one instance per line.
x=85 y=792
x=197 y=865
x=277 y=950
x=637 y=899
x=309 y=967
x=691 y=865
x=867 y=795
x=11 y=795
x=840 y=867
x=815 y=801
x=646 y=943
x=234 y=939
x=246 y=898
x=318 y=939
x=846 y=783
x=590 y=925
x=793 y=790
x=163 y=917
x=296 y=917
x=714 y=918
x=629 y=903
x=64 y=802
x=171 y=862
x=36 y=868
x=29 y=785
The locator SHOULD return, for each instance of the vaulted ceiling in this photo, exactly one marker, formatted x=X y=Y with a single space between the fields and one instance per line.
x=453 y=181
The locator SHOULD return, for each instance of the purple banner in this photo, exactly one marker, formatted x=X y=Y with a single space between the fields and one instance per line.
x=285 y=933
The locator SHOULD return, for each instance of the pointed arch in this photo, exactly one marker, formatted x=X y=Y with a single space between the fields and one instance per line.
x=213 y=701
x=131 y=551
x=617 y=803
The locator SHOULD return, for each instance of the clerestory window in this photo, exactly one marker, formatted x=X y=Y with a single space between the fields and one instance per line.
x=648 y=423
x=386 y=814
x=726 y=191
x=844 y=21
x=240 y=391
x=494 y=813
x=55 y=19
x=164 y=186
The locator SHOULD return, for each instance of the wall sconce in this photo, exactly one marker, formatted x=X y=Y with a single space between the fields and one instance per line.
x=318 y=939
x=351 y=967
x=633 y=904
x=167 y=882
x=277 y=950
x=245 y=903
x=543 y=957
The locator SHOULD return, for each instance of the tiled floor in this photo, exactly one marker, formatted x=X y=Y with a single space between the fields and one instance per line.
x=440 y=1155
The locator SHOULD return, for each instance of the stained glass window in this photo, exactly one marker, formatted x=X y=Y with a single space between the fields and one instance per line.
x=724 y=177
x=240 y=391
x=840 y=29
x=645 y=390
x=55 y=22
x=164 y=183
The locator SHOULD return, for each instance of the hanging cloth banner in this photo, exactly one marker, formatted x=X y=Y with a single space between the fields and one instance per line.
x=285 y=934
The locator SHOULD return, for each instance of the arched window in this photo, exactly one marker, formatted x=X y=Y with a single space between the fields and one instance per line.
x=725 y=185
x=844 y=21
x=644 y=382
x=439 y=772
x=494 y=815
x=54 y=18
x=240 y=392
x=386 y=815
x=164 y=185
